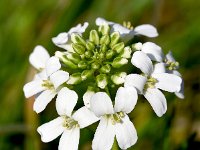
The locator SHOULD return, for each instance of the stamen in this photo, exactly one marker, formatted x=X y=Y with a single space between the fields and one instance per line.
x=116 y=118
x=150 y=83
x=172 y=65
x=47 y=84
x=128 y=25
x=70 y=123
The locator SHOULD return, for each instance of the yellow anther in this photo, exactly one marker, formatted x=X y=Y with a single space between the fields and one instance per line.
x=128 y=25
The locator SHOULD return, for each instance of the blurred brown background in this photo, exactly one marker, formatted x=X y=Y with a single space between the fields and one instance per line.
x=27 y=23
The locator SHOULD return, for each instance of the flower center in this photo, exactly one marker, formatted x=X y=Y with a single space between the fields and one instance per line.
x=172 y=65
x=70 y=123
x=117 y=117
x=150 y=83
x=96 y=57
x=128 y=25
x=47 y=84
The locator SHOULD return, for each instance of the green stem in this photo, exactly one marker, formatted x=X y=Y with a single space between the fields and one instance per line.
x=107 y=91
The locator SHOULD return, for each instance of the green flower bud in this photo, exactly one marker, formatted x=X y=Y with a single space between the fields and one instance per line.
x=103 y=48
x=119 y=62
x=114 y=38
x=82 y=65
x=105 y=39
x=88 y=54
x=76 y=38
x=94 y=37
x=118 y=47
x=63 y=57
x=118 y=78
x=79 y=49
x=137 y=46
x=90 y=46
x=126 y=52
x=75 y=58
x=86 y=74
x=95 y=65
x=75 y=78
x=104 y=29
x=109 y=54
x=102 y=81
x=105 y=69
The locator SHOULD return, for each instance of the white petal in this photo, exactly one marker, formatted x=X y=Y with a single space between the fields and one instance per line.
x=146 y=30
x=126 y=99
x=168 y=82
x=69 y=139
x=38 y=57
x=79 y=28
x=66 y=101
x=59 y=77
x=157 y=101
x=104 y=135
x=52 y=65
x=41 y=75
x=159 y=68
x=102 y=21
x=86 y=98
x=143 y=62
x=121 y=29
x=33 y=88
x=85 y=117
x=170 y=57
x=137 y=81
x=51 y=130
x=153 y=51
x=61 y=39
x=43 y=99
x=101 y=104
x=180 y=94
x=125 y=133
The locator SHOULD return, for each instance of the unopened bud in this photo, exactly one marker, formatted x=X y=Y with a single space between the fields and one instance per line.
x=94 y=37
x=105 y=69
x=119 y=62
x=86 y=74
x=75 y=58
x=109 y=54
x=101 y=81
x=103 y=48
x=114 y=38
x=137 y=46
x=95 y=65
x=105 y=39
x=88 y=54
x=79 y=49
x=90 y=46
x=126 y=53
x=82 y=65
x=76 y=38
x=118 y=47
x=104 y=29
x=74 y=78
x=118 y=78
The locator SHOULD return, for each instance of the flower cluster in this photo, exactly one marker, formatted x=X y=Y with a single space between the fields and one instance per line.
x=94 y=69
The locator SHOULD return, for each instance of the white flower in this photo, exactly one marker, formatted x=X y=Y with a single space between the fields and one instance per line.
x=126 y=33
x=46 y=87
x=114 y=121
x=153 y=51
x=172 y=65
x=67 y=124
x=153 y=80
x=63 y=39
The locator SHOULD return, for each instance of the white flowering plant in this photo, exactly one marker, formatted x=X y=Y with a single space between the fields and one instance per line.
x=103 y=71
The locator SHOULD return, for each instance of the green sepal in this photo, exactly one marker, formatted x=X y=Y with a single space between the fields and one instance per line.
x=102 y=81
x=90 y=46
x=94 y=37
x=119 y=62
x=118 y=78
x=114 y=38
x=75 y=58
x=105 y=39
x=95 y=65
x=104 y=29
x=118 y=47
x=109 y=54
x=76 y=38
x=86 y=74
x=75 y=78
x=105 y=69
x=78 y=48
x=82 y=65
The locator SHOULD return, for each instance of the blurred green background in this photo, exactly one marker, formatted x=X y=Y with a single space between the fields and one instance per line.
x=27 y=23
